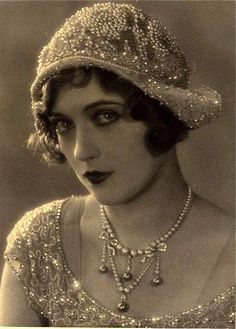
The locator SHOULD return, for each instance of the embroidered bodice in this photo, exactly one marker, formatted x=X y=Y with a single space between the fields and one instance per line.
x=34 y=252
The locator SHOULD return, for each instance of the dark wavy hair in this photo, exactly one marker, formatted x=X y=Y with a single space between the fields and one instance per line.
x=164 y=129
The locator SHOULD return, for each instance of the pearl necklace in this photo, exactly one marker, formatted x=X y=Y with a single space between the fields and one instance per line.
x=151 y=254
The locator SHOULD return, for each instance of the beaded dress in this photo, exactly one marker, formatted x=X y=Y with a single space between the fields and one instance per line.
x=35 y=254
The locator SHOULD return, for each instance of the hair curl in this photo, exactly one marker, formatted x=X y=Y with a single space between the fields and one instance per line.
x=164 y=129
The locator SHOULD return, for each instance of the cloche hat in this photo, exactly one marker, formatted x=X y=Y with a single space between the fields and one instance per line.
x=123 y=39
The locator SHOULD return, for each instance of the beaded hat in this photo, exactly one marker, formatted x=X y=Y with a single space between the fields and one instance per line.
x=123 y=39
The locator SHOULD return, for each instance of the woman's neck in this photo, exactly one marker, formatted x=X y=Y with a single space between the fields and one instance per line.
x=148 y=216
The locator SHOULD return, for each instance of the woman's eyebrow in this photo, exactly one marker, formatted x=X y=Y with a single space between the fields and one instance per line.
x=53 y=115
x=87 y=107
x=102 y=102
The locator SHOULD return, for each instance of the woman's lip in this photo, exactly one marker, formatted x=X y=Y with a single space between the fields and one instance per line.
x=97 y=177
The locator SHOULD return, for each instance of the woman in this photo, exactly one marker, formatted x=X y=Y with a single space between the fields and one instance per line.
x=111 y=98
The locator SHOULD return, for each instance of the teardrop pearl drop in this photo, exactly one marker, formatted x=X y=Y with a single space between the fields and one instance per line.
x=103 y=269
x=123 y=307
x=157 y=281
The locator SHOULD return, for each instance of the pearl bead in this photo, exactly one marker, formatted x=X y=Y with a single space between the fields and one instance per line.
x=140 y=252
x=133 y=253
x=125 y=251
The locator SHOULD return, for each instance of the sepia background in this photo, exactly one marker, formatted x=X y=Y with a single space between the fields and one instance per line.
x=205 y=29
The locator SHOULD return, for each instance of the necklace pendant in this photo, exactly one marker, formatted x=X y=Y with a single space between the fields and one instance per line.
x=157 y=281
x=123 y=307
x=127 y=276
x=103 y=269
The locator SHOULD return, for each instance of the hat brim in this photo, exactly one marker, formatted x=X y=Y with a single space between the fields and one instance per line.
x=194 y=107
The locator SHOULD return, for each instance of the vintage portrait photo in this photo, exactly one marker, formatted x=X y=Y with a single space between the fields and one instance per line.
x=117 y=164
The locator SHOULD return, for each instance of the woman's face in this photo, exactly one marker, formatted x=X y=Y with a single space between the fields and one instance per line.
x=104 y=146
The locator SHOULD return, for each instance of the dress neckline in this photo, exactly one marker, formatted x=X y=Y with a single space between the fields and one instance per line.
x=84 y=292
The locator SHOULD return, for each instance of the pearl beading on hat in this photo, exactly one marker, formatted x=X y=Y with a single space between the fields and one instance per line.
x=120 y=34
x=121 y=38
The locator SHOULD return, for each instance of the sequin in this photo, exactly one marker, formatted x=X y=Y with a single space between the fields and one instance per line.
x=121 y=38
x=60 y=298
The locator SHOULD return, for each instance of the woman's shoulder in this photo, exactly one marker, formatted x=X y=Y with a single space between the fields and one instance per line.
x=44 y=212
x=210 y=213
x=211 y=223
x=35 y=233
x=34 y=217
x=36 y=223
x=211 y=232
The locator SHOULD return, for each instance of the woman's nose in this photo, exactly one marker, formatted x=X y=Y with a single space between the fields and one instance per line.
x=85 y=147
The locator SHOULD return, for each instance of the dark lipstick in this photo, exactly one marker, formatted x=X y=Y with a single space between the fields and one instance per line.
x=96 y=177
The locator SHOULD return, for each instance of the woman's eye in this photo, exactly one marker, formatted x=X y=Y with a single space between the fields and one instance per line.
x=103 y=118
x=62 y=126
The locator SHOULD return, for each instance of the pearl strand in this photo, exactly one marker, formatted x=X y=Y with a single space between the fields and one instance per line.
x=152 y=253
x=123 y=306
x=111 y=235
